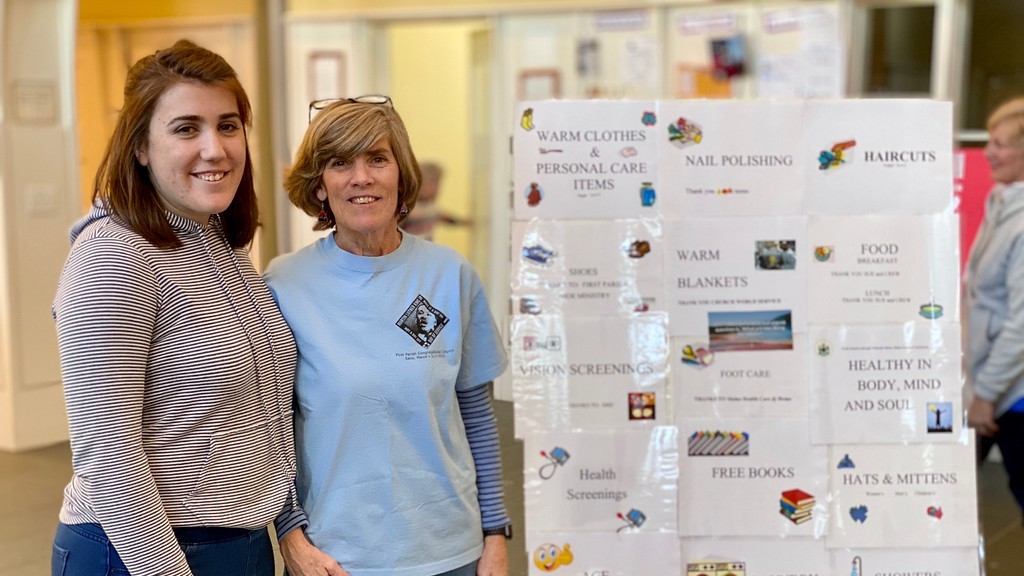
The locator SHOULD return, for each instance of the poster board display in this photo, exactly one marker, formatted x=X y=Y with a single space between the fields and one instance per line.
x=589 y=373
x=603 y=482
x=586 y=267
x=886 y=384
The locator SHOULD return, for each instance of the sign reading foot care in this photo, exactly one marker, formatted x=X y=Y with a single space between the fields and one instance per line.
x=589 y=373
x=601 y=554
x=766 y=383
x=877 y=156
x=611 y=481
x=883 y=269
x=737 y=266
x=883 y=384
x=587 y=268
x=585 y=160
x=730 y=158
x=751 y=477
x=903 y=496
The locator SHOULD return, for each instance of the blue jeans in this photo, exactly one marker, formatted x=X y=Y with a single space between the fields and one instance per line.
x=83 y=549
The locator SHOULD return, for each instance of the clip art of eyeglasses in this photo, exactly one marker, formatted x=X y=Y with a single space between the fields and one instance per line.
x=318 y=105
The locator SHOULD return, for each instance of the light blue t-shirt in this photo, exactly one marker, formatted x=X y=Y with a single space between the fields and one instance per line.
x=385 y=473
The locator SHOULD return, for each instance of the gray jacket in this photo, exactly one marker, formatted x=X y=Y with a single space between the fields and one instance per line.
x=995 y=300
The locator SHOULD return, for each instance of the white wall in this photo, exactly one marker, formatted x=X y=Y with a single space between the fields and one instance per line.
x=39 y=202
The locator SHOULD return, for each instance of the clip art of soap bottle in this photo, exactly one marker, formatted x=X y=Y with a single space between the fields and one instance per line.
x=856 y=566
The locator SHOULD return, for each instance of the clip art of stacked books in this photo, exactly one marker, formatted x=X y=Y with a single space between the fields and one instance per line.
x=796 y=505
x=718 y=443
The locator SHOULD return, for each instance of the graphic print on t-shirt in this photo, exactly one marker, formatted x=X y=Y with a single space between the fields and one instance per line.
x=422 y=322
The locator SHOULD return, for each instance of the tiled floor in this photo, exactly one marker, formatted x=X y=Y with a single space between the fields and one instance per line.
x=32 y=483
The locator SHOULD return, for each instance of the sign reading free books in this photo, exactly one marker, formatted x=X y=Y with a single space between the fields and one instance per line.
x=679 y=159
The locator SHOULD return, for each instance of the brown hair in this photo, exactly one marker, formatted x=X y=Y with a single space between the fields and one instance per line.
x=1011 y=112
x=123 y=185
x=343 y=130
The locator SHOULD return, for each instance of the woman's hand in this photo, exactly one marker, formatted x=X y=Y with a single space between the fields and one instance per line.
x=303 y=559
x=494 y=561
x=981 y=417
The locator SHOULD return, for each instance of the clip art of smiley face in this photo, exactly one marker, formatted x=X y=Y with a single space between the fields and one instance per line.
x=548 y=557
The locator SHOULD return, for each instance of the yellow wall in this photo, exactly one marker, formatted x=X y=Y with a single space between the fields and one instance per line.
x=429 y=77
x=95 y=11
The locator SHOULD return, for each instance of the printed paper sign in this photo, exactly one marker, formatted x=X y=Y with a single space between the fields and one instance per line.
x=738 y=280
x=903 y=496
x=755 y=556
x=751 y=477
x=586 y=267
x=878 y=156
x=608 y=482
x=730 y=158
x=897 y=383
x=590 y=553
x=933 y=562
x=768 y=383
x=580 y=160
x=883 y=269
x=589 y=373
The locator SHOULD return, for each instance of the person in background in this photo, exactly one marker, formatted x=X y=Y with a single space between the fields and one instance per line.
x=177 y=366
x=397 y=443
x=994 y=281
x=427 y=214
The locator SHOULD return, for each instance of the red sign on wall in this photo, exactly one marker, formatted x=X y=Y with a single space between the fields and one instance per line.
x=971 y=184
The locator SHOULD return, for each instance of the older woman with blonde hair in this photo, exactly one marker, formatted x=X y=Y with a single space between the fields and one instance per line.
x=995 y=300
x=396 y=440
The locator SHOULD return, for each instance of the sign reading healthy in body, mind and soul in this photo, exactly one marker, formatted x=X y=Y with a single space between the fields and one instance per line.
x=903 y=496
x=579 y=160
x=730 y=159
x=601 y=481
x=883 y=384
x=731 y=278
x=883 y=269
x=765 y=383
x=589 y=373
x=751 y=477
x=586 y=267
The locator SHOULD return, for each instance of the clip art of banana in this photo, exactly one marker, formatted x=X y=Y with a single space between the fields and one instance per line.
x=527 y=120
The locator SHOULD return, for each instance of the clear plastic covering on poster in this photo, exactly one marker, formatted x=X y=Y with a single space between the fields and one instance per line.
x=884 y=269
x=804 y=556
x=583 y=160
x=730 y=159
x=878 y=156
x=589 y=373
x=903 y=496
x=769 y=383
x=615 y=553
x=931 y=562
x=586 y=267
x=886 y=384
x=739 y=279
x=601 y=481
x=751 y=477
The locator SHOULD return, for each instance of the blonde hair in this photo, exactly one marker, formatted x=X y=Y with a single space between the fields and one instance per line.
x=344 y=130
x=1010 y=112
